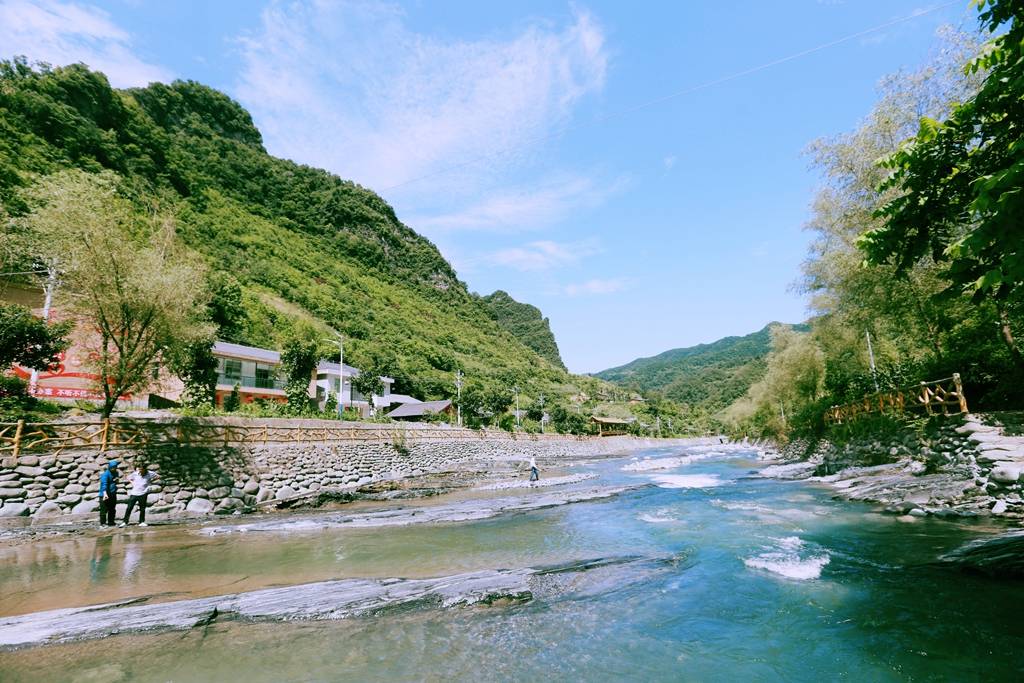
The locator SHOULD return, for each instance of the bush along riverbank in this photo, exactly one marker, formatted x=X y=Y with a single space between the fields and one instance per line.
x=946 y=466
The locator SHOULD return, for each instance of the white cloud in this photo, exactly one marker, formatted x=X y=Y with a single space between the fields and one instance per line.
x=669 y=162
x=518 y=210
x=348 y=86
x=66 y=32
x=596 y=286
x=541 y=255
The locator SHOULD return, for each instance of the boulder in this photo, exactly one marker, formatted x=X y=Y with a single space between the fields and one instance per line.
x=28 y=460
x=199 y=506
x=228 y=504
x=251 y=487
x=69 y=499
x=14 y=510
x=917 y=512
x=220 y=492
x=264 y=494
x=1006 y=472
x=86 y=506
x=285 y=492
x=30 y=471
x=74 y=488
x=12 y=493
x=999 y=508
x=48 y=510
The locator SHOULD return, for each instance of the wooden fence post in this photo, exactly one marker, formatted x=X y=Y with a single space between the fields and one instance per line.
x=17 y=437
x=960 y=392
x=103 y=438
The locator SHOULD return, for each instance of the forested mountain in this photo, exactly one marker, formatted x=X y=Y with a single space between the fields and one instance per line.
x=526 y=323
x=709 y=376
x=298 y=243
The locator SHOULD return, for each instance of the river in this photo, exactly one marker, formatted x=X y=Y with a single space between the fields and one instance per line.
x=724 y=576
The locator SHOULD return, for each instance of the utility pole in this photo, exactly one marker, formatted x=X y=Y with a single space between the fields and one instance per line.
x=540 y=402
x=458 y=389
x=341 y=371
x=518 y=422
x=51 y=284
x=871 y=357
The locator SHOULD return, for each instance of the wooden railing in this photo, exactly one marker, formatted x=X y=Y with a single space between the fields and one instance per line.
x=22 y=437
x=941 y=397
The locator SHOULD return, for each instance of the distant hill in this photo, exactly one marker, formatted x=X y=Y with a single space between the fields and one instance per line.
x=711 y=376
x=526 y=323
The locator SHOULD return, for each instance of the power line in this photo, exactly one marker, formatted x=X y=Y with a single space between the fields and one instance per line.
x=686 y=91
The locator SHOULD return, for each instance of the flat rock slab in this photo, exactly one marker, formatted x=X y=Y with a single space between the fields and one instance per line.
x=540 y=483
x=325 y=600
x=464 y=511
x=1001 y=555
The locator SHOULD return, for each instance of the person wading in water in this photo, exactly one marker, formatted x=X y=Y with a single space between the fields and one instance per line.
x=534 y=472
x=108 y=494
x=140 y=481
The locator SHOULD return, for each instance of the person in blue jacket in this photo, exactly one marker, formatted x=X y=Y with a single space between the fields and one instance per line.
x=108 y=494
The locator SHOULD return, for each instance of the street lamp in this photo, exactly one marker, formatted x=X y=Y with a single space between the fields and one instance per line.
x=458 y=389
x=518 y=422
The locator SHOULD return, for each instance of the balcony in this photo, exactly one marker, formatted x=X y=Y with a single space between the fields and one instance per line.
x=250 y=382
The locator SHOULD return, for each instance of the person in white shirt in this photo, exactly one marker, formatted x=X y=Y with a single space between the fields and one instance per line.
x=534 y=472
x=138 y=489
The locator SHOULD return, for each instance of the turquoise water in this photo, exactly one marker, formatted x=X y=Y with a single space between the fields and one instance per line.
x=773 y=581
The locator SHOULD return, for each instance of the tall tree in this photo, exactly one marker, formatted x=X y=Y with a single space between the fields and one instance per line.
x=299 y=358
x=123 y=274
x=959 y=183
x=27 y=340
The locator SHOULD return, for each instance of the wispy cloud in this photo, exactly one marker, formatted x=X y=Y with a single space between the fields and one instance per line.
x=542 y=255
x=350 y=87
x=669 y=162
x=66 y=32
x=596 y=286
x=518 y=210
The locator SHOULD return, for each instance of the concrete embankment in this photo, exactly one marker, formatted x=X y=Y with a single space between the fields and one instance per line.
x=198 y=479
x=956 y=467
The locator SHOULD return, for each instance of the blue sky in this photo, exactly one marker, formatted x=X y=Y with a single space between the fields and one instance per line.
x=521 y=137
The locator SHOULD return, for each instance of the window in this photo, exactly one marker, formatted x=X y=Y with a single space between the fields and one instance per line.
x=233 y=369
x=264 y=377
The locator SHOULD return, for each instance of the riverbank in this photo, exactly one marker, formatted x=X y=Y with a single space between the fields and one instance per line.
x=49 y=493
x=954 y=466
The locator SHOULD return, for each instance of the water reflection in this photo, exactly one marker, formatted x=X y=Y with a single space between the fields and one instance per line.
x=99 y=565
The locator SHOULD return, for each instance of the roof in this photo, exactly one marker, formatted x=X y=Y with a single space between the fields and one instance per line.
x=403 y=398
x=609 y=420
x=420 y=409
x=224 y=348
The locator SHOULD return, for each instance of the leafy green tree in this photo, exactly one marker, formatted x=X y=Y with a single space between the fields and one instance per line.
x=960 y=181
x=196 y=366
x=123 y=273
x=368 y=383
x=233 y=400
x=299 y=358
x=226 y=308
x=28 y=341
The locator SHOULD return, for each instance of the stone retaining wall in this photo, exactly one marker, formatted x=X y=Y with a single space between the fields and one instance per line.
x=224 y=479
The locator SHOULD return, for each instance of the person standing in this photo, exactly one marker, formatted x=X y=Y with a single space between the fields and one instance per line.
x=139 y=481
x=534 y=472
x=108 y=494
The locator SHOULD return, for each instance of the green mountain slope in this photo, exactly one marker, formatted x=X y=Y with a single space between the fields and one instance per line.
x=710 y=376
x=526 y=323
x=302 y=243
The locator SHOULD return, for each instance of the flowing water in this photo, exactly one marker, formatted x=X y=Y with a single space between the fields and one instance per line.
x=769 y=581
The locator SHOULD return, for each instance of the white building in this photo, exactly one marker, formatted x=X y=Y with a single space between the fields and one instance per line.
x=328 y=376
